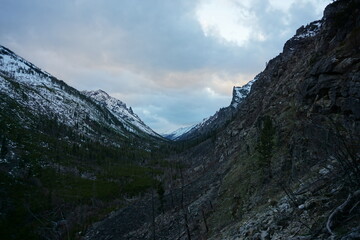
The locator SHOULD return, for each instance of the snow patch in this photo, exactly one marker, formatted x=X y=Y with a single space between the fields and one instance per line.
x=310 y=30
x=240 y=93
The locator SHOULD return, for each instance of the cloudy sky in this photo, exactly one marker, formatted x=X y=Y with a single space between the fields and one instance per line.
x=173 y=61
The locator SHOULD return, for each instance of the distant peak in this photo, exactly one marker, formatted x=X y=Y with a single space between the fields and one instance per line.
x=239 y=93
x=98 y=92
x=124 y=114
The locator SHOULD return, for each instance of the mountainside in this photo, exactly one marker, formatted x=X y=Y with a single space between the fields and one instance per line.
x=292 y=158
x=43 y=94
x=286 y=166
x=215 y=122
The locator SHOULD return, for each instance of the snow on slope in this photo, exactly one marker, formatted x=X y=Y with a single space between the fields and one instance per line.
x=239 y=93
x=121 y=112
x=177 y=133
x=42 y=94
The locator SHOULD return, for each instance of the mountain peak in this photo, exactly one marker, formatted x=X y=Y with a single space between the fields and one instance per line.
x=102 y=96
x=125 y=115
x=100 y=92
x=239 y=93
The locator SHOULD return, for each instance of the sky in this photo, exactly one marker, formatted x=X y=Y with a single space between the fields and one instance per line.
x=174 y=62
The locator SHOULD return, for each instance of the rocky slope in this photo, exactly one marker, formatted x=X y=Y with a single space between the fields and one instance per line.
x=311 y=94
x=287 y=165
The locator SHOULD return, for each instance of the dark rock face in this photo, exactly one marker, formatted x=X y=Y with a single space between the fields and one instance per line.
x=311 y=92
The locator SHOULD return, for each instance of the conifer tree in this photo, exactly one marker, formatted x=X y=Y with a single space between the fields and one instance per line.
x=266 y=145
x=4 y=148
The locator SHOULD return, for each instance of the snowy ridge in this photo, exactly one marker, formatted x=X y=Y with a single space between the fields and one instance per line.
x=17 y=67
x=42 y=94
x=181 y=132
x=121 y=112
x=177 y=133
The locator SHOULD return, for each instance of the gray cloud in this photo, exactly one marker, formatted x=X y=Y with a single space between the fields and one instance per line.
x=153 y=55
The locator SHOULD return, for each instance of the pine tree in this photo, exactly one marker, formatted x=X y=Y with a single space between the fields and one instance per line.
x=160 y=191
x=266 y=145
x=4 y=148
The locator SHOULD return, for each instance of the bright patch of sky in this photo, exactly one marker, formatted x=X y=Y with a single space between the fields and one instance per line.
x=233 y=21
x=236 y=21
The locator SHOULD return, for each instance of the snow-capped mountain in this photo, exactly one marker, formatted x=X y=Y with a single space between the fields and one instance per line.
x=203 y=127
x=41 y=94
x=177 y=133
x=219 y=119
x=125 y=115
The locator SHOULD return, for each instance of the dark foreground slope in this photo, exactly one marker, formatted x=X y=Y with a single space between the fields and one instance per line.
x=286 y=167
x=310 y=93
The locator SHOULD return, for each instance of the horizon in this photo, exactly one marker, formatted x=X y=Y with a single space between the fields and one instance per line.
x=173 y=63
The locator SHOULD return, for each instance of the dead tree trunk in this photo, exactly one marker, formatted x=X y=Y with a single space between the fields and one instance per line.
x=183 y=206
x=204 y=218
